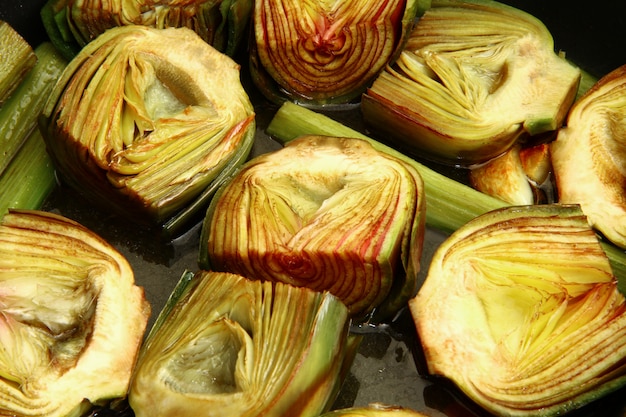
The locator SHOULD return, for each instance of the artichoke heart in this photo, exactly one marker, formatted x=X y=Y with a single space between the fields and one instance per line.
x=72 y=317
x=521 y=310
x=71 y=24
x=143 y=121
x=473 y=78
x=332 y=214
x=325 y=52
x=227 y=346
x=589 y=156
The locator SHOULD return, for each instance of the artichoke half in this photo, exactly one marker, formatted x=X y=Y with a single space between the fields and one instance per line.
x=145 y=121
x=589 y=156
x=520 y=309
x=71 y=24
x=473 y=78
x=72 y=317
x=332 y=214
x=325 y=52
x=228 y=346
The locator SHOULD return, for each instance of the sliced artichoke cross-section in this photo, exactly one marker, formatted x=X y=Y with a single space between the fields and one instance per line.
x=143 y=121
x=325 y=52
x=589 y=156
x=72 y=317
x=520 y=309
x=473 y=77
x=326 y=213
x=227 y=346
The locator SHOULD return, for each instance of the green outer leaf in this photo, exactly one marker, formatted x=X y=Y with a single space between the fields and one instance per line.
x=617 y=257
x=203 y=253
x=329 y=324
x=53 y=16
x=422 y=6
x=184 y=285
x=238 y=18
x=449 y=204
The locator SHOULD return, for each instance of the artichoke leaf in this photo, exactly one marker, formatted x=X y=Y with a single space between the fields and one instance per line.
x=471 y=79
x=73 y=24
x=231 y=346
x=72 y=318
x=325 y=53
x=520 y=309
x=589 y=156
x=144 y=120
x=331 y=214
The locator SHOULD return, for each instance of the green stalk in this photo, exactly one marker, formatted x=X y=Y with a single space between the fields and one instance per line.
x=29 y=178
x=19 y=114
x=449 y=204
x=54 y=18
x=18 y=58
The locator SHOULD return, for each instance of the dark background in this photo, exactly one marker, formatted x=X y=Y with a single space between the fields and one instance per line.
x=592 y=33
x=23 y=15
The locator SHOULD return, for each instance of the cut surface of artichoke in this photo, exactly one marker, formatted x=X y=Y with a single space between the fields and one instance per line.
x=473 y=76
x=522 y=175
x=325 y=52
x=520 y=309
x=326 y=213
x=72 y=318
x=504 y=177
x=589 y=156
x=230 y=346
x=144 y=120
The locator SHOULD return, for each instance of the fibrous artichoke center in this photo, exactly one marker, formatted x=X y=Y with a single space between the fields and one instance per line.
x=49 y=327
x=208 y=364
